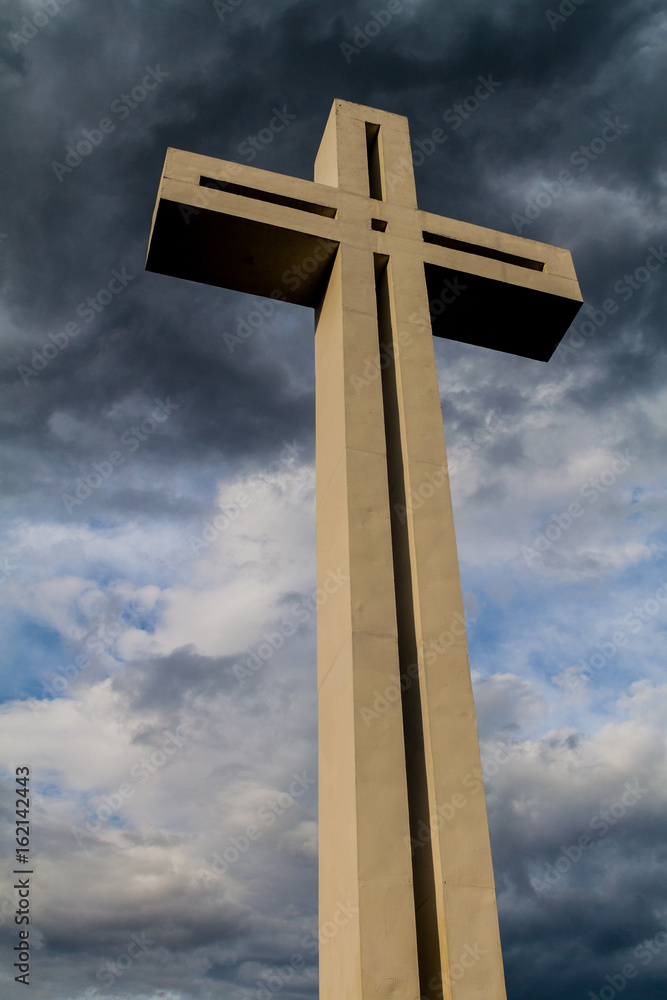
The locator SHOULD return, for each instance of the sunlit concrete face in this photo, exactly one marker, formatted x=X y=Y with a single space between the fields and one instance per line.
x=407 y=898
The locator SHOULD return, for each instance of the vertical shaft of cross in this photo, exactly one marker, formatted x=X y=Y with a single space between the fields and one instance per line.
x=363 y=802
x=367 y=935
x=403 y=828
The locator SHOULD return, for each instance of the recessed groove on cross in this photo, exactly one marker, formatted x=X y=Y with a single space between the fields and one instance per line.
x=273 y=199
x=419 y=813
x=490 y=252
x=376 y=179
x=403 y=832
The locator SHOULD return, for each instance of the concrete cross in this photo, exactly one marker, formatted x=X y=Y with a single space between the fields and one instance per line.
x=407 y=897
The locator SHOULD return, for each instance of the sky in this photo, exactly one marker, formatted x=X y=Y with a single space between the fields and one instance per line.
x=158 y=489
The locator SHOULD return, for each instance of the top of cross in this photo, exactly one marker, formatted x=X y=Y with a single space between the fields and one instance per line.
x=256 y=231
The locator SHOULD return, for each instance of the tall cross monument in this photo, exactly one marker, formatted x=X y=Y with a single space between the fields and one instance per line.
x=407 y=897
